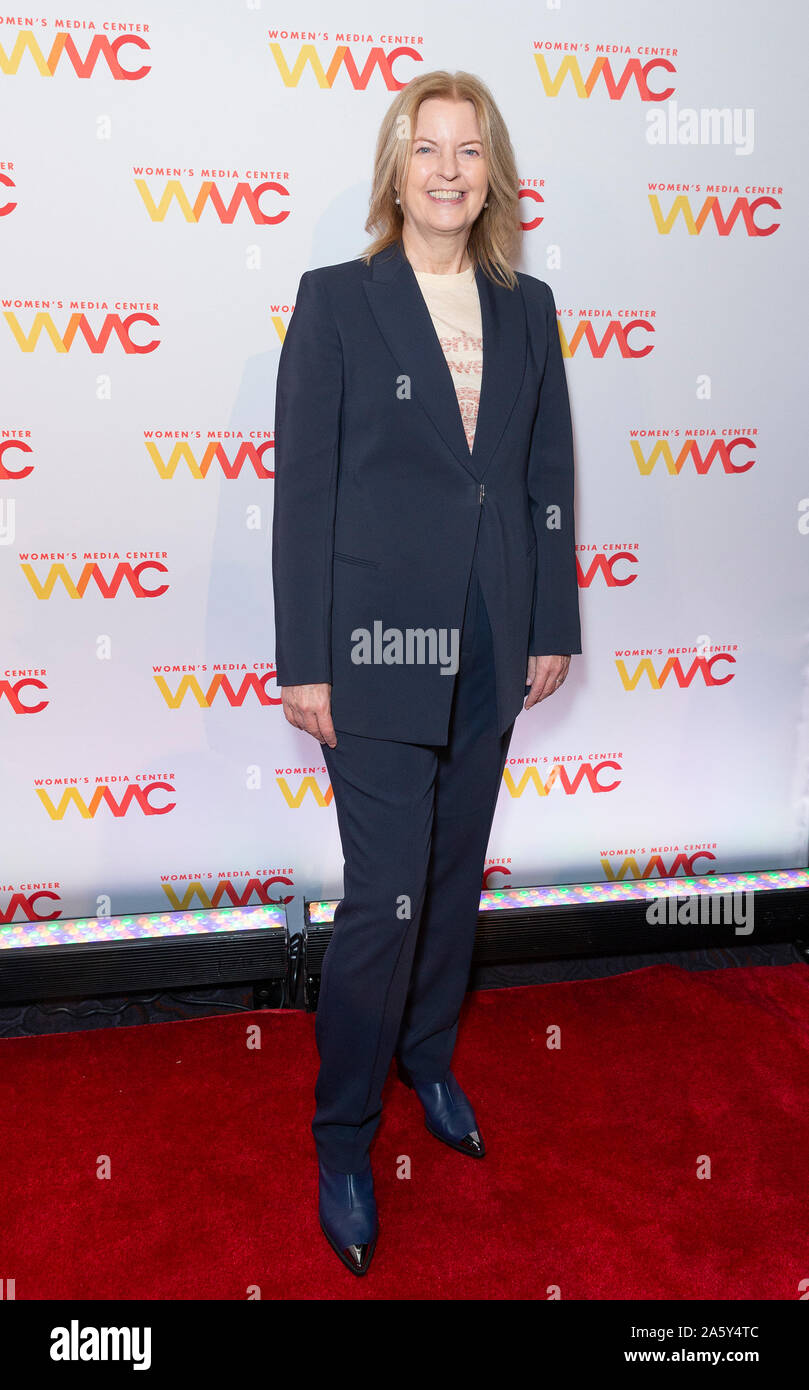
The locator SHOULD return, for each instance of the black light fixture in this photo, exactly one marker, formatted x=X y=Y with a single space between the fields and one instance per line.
x=92 y=956
x=621 y=917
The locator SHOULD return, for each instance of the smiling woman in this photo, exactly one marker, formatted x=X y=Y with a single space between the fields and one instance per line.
x=423 y=509
x=446 y=144
x=446 y=185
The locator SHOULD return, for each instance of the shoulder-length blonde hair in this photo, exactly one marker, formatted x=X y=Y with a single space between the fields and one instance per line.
x=495 y=237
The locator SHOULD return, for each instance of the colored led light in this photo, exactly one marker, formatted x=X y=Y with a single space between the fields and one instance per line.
x=576 y=894
x=138 y=926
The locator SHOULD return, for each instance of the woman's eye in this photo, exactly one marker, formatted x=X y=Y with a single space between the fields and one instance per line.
x=422 y=148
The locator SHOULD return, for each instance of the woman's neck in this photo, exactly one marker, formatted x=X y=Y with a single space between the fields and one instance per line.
x=439 y=260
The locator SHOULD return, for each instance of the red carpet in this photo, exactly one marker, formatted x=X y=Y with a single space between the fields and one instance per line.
x=590 y=1183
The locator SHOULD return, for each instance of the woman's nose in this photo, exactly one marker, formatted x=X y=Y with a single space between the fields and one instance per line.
x=448 y=166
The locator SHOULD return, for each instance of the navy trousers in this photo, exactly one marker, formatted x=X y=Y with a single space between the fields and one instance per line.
x=414 y=824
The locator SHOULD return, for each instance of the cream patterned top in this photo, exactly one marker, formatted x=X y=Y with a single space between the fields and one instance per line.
x=454 y=307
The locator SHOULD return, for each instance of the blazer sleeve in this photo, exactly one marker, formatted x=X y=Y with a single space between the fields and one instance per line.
x=555 y=625
x=308 y=404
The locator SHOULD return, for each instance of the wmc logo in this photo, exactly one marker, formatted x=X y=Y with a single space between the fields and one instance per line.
x=701 y=672
x=208 y=195
x=617 y=331
x=342 y=60
x=634 y=76
x=741 y=211
x=720 y=451
x=213 y=453
x=25 y=907
x=256 y=890
x=21 y=703
x=6 y=470
x=587 y=775
x=91 y=578
x=605 y=565
x=140 y=797
x=251 y=685
x=78 y=326
x=64 y=53
x=627 y=865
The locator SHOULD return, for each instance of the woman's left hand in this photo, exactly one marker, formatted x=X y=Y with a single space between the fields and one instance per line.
x=545 y=675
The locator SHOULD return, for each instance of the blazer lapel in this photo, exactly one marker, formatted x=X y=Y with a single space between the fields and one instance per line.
x=405 y=323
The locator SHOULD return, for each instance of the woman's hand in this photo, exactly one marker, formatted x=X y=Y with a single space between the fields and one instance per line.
x=545 y=675
x=308 y=707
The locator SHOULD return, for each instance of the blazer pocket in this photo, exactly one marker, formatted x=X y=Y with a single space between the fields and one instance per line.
x=356 y=560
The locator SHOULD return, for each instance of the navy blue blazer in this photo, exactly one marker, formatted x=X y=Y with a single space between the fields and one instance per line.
x=380 y=504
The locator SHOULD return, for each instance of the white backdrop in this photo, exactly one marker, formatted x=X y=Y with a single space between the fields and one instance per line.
x=163 y=185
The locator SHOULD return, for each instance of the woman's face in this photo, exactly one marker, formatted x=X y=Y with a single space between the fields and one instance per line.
x=446 y=157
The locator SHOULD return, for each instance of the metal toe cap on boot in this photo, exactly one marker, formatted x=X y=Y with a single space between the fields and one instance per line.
x=449 y=1116
x=358 y=1257
x=473 y=1144
x=348 y=1215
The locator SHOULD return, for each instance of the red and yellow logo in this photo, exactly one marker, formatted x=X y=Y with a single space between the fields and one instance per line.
x=701 y=670
x=214 y=454
x=378 y=62
x=626 y=864
x=246 y=194
x=78 y=328
x=251 y=687
x=594 y=775
x=103 y=51
x=102 y=580
x=257 y=890
x=710 y=213
x=701 y=448
x=597 y=329
x=610 y=71
x=146 y=796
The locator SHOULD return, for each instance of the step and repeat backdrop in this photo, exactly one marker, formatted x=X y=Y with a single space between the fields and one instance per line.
x=167 y=173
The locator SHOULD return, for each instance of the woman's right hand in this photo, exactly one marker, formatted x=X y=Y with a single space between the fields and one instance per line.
x=308 y=707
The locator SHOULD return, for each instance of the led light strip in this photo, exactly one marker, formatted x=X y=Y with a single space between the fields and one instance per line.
x=573 y=894
x=148 y=924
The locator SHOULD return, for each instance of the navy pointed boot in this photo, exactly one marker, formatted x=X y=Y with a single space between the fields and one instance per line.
x=348 y=1216
x=447 y=1113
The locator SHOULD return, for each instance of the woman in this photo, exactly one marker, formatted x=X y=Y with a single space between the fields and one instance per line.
x=424 y=575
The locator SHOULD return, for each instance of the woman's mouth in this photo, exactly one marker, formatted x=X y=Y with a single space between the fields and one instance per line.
x=446 y=195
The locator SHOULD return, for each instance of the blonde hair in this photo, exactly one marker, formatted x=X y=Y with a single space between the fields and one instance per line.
x=495 y=237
